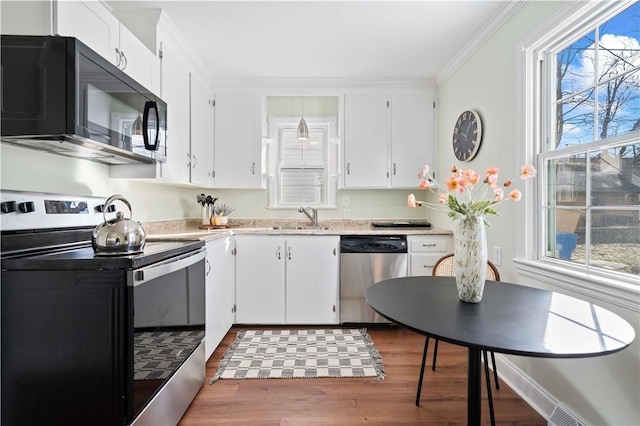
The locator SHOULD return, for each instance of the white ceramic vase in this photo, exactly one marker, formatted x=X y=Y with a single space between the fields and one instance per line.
x=470 y=254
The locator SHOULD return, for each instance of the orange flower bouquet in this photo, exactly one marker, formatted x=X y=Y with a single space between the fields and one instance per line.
x=466 y=193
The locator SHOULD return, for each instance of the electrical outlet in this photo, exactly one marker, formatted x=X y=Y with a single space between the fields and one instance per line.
x=346 y=214
x=497 y=256
x=346 y=201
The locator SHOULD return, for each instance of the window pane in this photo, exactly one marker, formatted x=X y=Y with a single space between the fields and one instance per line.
x=615 y=178
x=567 y=231
x=567 y=181
x=619 y=105
x=301 y=186
x=621 y=34
x=575 y=67
x=576 y=122
x=299 y=153
x=615 y=240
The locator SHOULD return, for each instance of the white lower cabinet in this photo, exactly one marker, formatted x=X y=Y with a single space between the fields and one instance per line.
x=312 y=291
x=287 y=279
x=260 y=279
x=425 y=250
x=220 y=291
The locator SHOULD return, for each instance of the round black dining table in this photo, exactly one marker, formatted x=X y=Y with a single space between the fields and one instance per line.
x=510 y=319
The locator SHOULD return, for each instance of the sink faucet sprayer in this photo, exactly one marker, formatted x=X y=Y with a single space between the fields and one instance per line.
x=313 y=216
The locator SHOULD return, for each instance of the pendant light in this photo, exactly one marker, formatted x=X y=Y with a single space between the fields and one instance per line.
x=303 y=130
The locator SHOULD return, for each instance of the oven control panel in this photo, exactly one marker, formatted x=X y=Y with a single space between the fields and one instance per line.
x=36 y=210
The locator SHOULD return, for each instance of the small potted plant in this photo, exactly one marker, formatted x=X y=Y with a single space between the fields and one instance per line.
x=220 y=214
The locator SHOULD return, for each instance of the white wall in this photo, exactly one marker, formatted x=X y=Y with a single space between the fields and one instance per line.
x=603 y=390
x=28 y=170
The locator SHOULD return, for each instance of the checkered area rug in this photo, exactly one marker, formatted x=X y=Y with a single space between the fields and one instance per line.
x=285 y=354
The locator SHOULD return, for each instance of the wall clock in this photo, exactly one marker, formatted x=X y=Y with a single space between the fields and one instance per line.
x=467 y=135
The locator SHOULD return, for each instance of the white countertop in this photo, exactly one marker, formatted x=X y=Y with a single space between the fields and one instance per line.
x=191 y=231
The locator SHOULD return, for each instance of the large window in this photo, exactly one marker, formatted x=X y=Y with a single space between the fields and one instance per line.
x=584 y=78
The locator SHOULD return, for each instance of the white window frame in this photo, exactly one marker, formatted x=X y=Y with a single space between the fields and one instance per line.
x=327 y=125
x=619 y=289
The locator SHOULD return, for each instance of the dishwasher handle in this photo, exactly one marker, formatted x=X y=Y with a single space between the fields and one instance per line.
x=373 y=244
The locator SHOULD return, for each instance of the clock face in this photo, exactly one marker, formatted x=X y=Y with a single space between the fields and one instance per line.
x=467 y=135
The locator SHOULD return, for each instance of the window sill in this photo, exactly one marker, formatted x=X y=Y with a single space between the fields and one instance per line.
x=620 y=292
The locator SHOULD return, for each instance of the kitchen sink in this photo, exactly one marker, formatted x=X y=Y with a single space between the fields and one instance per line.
x=300 y=228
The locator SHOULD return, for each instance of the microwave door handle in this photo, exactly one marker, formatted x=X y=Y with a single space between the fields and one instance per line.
x=144 y=275
x=148 y=106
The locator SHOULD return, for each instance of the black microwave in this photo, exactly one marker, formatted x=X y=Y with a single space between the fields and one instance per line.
x=60 y=96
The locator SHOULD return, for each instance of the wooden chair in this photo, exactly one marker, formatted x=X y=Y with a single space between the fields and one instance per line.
x=444 y=267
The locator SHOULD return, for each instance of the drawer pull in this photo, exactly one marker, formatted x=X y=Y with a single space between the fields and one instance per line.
x=429 y=245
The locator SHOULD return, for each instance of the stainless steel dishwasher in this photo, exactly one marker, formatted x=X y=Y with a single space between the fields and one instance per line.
x=364 y=261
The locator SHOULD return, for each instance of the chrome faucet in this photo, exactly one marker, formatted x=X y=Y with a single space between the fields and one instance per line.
x=313 y=216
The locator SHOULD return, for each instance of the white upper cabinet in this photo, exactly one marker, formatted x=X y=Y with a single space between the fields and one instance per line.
x=238 y=140
x=387 y=138
x=175 y=92
x=93 y=24
x=138 y=61
x=186 y=88
x=201 y=130
x=366 y=141
x=412 y=138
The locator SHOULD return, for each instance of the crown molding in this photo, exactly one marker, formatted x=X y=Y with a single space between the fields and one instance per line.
x=322 y=83
x=492 y=27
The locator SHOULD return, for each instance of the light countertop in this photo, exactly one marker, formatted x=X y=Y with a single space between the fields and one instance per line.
x=190 y=229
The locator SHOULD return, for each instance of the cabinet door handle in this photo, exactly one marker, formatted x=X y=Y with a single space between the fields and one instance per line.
x=124 y=67
x=253 y=168
x=394 y=169
x=335 y=252
x=348 y=168
x=278 y=253
x=289 y=253
x=208 y=267
x=194 y=163
x=118 y=58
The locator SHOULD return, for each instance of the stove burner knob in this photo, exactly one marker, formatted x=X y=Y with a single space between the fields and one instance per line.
x=8 y=206
x=110 y=209
x=27 y=207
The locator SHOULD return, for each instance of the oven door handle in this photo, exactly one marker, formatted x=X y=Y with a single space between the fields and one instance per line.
x=143 y=275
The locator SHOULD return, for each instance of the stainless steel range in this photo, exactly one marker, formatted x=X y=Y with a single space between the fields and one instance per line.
x=100 y=340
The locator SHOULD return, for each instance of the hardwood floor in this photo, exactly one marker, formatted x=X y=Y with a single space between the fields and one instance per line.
x=357 y=401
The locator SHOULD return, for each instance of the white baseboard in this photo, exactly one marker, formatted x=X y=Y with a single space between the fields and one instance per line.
x=530 y=391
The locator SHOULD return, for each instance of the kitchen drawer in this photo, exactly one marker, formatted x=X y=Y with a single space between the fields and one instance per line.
x=429 y=243
x=422 y=263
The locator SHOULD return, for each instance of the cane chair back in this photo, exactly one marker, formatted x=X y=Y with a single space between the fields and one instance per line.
x=444 y=267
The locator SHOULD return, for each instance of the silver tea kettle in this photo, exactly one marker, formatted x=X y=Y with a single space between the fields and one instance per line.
x=119 y=236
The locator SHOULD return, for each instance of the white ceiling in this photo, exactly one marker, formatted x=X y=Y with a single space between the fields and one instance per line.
x=327 y=39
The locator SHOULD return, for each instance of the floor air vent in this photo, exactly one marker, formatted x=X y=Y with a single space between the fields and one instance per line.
x=561 y=416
